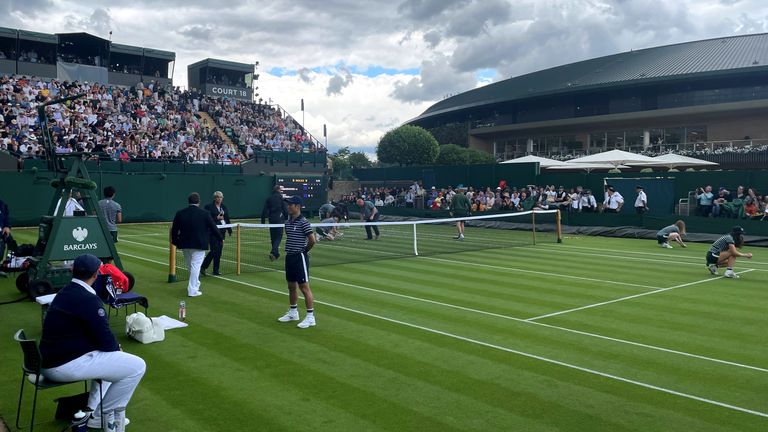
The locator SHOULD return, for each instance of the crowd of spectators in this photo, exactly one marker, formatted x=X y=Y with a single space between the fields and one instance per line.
x=141 y=123
x=501 y=198
x=743 y=203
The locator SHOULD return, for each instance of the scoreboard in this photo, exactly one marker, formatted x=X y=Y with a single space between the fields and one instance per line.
x=310 y=188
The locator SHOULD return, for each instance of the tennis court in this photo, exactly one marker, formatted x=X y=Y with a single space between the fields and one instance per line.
x=596 y=334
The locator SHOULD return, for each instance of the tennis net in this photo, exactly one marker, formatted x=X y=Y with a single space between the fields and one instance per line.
x=247 y=249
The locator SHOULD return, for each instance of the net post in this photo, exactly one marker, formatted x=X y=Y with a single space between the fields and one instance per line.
x=558 y=227
x=172 y=263
x=533 y=224
x=415 y=243
x=237 y=249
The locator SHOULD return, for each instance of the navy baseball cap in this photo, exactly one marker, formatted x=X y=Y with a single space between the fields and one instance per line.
x=293 y=200
x=86 y=263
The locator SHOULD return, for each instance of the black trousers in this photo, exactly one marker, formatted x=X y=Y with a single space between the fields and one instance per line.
x=214 y=255
x=276 y=236
x=375 y=227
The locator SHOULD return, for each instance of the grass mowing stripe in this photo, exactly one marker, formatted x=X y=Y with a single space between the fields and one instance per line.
x=400 y=256
x=631 y=297
x=640 y=253
x=509 y=350
x=555 y=249
x=524 y=354
x=518 y=270
x=560 y=328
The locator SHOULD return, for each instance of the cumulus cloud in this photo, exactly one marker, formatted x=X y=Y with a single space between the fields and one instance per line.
x=197 y=32
x=337 y=83
x=99 y=22
x=444 y=45
x=304 y=75
x=437 y=80
x=432 y=38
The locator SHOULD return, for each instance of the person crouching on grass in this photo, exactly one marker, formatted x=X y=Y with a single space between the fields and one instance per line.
x=673 y=232
x=723 y=252
x=299 y=241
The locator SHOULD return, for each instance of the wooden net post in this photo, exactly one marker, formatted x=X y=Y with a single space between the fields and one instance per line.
x=172 y=263
x=558 y=226
x=533 y=223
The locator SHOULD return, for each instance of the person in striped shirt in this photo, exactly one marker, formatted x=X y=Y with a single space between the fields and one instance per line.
x=724 y=252
x=672 y=232
x=299 y=241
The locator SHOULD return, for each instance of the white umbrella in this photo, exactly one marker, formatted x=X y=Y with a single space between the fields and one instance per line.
x=671 y=160
x=588 y=167
x=613 y=157
x=543 y=162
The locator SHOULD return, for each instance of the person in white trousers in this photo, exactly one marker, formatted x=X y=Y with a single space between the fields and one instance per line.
x=77 y=344
x=191 y=232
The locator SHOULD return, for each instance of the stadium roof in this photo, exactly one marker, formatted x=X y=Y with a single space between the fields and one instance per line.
x=711 y=57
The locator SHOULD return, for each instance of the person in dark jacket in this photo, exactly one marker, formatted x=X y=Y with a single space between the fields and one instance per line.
x=276 y=211
x=220 y=215
x=5 y=230
x=191 y=232
x=77 y=344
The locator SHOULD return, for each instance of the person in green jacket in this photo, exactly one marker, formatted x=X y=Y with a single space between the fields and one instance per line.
x=460 y=207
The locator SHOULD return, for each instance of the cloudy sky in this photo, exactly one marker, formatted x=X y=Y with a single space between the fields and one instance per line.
x=365 y=66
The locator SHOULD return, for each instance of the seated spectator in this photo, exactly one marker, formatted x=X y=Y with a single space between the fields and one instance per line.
x=720 y=202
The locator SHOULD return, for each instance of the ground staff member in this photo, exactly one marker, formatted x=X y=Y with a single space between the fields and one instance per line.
x=220 y=215
x=723 y=252
x=299 y=241
x=368 y=213
x=672 y=232
x=641 y=202
x=277 y=212
x=191 y=231
x=460 y=207
x=77 y=344
x=112 y=211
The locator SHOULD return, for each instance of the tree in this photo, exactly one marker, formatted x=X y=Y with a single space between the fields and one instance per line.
x=408 y=145
x=359 y=160
x=451 y=154
x=475 y=156
x=340 y=160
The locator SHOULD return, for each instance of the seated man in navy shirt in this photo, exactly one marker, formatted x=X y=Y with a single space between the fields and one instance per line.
x=77 y=344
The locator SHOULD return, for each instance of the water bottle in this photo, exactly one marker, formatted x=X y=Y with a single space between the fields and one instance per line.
x=79 y=422
x=182 y=311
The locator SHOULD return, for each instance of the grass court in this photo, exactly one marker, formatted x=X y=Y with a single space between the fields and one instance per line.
x=594 y=334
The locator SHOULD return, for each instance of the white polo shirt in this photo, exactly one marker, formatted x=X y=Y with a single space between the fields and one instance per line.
x=641 y=200
x=614 y=200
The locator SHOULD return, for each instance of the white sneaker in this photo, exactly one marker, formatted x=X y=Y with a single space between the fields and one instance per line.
x=309 y=321
x=666 y=246
x=95 y=422
x=291 y=315
x=731 y=274
x=712 y=268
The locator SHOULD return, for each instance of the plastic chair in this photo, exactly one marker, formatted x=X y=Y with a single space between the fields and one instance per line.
x=31 y=371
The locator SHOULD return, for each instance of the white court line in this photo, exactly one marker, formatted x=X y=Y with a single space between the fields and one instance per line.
x=521 y=320
x=505 y=349
x=631 y=297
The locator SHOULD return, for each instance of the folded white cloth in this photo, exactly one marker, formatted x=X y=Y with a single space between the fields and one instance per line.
x=168 y=323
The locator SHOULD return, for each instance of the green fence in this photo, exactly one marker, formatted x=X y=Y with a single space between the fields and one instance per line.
x=145 y=197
